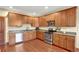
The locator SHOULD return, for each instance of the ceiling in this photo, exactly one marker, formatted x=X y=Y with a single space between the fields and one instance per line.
x=34 y=10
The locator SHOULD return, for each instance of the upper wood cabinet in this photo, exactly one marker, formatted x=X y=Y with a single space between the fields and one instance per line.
x=25 y=21
x=71 y=17
x=15 y=19
x=50 y=17
x=42 y=22
x=57 y=19
x=66 y=18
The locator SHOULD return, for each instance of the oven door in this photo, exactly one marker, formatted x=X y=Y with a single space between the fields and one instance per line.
x=48 y=38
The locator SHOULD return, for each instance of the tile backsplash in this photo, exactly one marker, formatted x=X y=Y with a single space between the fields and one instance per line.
x=69 y=29
x=65 y=29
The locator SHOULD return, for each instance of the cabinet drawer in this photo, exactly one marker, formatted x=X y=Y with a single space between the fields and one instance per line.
x=70 y=43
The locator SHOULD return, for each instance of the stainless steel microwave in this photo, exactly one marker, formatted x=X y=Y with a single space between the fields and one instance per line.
x=51 y=23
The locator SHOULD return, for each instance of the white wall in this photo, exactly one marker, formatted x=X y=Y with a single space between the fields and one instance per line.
x=3 y=13
x=77 y=25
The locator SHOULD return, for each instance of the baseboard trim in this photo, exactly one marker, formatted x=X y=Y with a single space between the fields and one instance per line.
x=76 y=49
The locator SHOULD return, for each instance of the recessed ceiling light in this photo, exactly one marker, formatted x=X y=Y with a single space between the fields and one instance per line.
x=46 y=7
x=10 y=7
x=34 y=13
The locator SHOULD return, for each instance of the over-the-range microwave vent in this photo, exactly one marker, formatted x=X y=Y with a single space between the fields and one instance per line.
x=51 y=23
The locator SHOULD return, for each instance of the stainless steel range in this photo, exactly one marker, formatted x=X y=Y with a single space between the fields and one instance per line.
x=48 y=38
x=49 y=33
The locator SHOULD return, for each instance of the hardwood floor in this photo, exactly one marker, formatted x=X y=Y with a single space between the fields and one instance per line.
x=32 y=46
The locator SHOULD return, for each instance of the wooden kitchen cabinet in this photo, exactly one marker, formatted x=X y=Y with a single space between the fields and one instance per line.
x=29 y=35
x=2 y=28
x=56 y=39
x=42 y=22
x=58 y=19
x=34 y=22
x=40 y=35
x=59 y=40
x=12 y=38
x=15 y=19
x=64 y=41
x=25 y=21
x=50 y=17
x=71 y=17
x=66 y=18
x=70 y=43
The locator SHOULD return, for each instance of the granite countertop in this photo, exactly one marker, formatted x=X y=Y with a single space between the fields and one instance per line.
x=20 y=31
x=67 y=33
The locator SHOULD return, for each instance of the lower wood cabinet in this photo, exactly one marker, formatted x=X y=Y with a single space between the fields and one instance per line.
x=64 y=41
x=70 y=43
x=40 y=35
x=12 y=38
x=29 y=35
x=56 y=39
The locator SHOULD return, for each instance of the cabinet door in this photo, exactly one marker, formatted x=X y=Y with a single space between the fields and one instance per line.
x=42 y=22
x=12 y=19
x=56 y=39
x=71 y=17
x=25 y=21
x=62 y=41
x=15 y=19
x=2 y=27
x=40 y=35
x=58 y=19
x=70 y=43
x=26 y=36
x=63 y=19
x=29 y=35
x=12 y=38
x=33 y=34
x=30 y=20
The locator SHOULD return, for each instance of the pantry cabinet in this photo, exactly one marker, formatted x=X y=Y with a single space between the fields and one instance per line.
x=64 y=41
x=2 y=28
